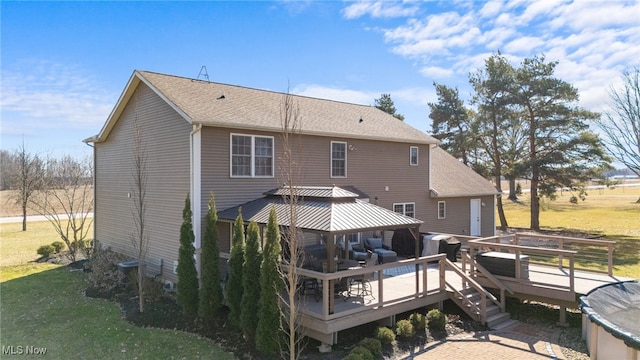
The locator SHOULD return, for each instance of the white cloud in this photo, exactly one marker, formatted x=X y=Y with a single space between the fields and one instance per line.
x=435 y=72
x=379 y=9
x=337 y=94
x=44 y=94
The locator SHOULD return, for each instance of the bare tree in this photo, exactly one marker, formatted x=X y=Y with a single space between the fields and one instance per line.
x=140 y=239
x=25 y=179
x=66 y=200
x=621 y=125
x=291 y=172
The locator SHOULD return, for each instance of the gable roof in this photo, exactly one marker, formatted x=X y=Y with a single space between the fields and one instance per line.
x=321 y=209
x=452 y=178
x=223 y=105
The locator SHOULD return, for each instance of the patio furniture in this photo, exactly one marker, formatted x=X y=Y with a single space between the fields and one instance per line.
x=310 y=286
x=362 y=282
x=504 y=264
x=354 y=253
x=451 y=247
x=431 y=244
x=377 y=246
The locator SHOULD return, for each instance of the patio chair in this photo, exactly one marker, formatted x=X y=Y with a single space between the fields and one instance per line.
x=354 y=253
x=376 y=245
x=362 y=282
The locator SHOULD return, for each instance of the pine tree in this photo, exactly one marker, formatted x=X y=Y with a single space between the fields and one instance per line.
x=236 y=262
x=269 y=315
x=251 y=281
x=210 y=290
x=187 y=292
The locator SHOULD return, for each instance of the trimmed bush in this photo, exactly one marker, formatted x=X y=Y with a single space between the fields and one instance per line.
x=404 y=328
x=46 y=250
x=352 y=356
x=419 y=321
x=57 y=246
x=436 y=320
x=103 y=273
x=385 y=335
x=363 y=352
x=374 y=346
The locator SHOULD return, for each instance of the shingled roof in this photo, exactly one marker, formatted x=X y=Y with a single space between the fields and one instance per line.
x=452 y=178
x=223 y=105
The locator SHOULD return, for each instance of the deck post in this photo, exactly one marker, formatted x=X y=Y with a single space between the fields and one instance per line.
x=563 y=316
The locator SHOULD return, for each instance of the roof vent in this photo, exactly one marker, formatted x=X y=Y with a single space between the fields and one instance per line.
x=221 y=97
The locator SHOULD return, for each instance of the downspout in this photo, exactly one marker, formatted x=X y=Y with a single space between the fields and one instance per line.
x=95 y=198
x=195 y=189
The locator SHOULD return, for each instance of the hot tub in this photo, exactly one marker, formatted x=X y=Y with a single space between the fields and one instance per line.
x=611 y=321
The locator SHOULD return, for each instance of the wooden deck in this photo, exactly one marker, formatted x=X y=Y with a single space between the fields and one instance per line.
x=415 y=283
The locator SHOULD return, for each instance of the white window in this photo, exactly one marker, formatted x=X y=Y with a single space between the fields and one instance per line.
x=408 y=209
x=251 y=156
x=442 y=210
x=338 y=159
x=413 y=155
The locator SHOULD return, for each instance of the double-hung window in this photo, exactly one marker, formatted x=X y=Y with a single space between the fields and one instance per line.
x=338 y=159
x=413 y=156
x=251 y=156
x=408 y=209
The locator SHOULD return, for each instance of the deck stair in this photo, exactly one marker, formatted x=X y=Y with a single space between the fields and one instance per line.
x=470 y=301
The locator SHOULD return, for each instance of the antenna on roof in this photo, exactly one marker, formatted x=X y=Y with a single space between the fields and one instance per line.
x=203 y=72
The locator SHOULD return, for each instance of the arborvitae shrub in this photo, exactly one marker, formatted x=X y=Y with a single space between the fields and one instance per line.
x=436 y=320
x=374 y=346
x=385 y=335
x=404 y=328
x=352 y=356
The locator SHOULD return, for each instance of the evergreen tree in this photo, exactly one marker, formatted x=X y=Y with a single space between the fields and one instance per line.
x=451 y=124
x=210 y=290
x=385 y=103
x=236 y=262
x=269 y=316
x=251 y=282
x=187 y=292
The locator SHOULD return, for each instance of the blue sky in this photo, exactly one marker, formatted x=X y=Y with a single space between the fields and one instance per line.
x=64 y=64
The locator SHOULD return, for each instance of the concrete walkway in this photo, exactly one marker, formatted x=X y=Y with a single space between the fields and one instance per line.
x=516 y=341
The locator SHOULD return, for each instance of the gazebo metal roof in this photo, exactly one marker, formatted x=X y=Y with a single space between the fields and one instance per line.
x=332 y=210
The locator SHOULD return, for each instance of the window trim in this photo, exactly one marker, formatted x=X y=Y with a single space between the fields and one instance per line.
x=253 y=156
x=444 y=210
x=404 y=208
x=417 y=149
x=331 y=159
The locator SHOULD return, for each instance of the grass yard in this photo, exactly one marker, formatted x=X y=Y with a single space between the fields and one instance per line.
x=43 y=306
x=612 y=214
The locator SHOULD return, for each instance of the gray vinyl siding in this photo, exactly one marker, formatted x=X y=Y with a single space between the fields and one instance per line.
x=166 y=146
x=458 y=216
x=371 y=167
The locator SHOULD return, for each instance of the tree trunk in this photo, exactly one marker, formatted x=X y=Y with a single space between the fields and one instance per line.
x=503 y=218
x=513 y=194
x=24 y=217
x=535 y=203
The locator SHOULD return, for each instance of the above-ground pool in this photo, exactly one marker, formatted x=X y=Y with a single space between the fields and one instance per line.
x=611 y=321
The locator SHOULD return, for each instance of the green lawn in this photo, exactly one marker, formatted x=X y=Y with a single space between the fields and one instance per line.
x=612 y=214
x=43 y=306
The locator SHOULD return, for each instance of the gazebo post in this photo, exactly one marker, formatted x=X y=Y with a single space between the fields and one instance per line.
x=331 y=267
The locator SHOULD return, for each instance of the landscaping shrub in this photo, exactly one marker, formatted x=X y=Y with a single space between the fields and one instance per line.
x=404 y=328
x=374 y=346
x=436 y=320
x=385 y=335
x=103 y=270
x=419 y=321
x=46 y=250
x=57 y=246
x=363 y=352
x=352 y=356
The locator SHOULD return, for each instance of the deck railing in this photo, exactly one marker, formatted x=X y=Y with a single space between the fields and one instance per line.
x=418 y=269
x=495 y=244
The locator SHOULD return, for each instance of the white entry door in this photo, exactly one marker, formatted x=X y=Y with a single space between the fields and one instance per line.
x=475 y=225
